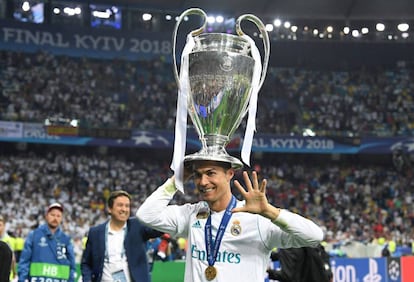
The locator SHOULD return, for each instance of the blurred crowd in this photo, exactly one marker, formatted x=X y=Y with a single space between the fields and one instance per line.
x=143 y=95
x=114 y=94
x=353 y=202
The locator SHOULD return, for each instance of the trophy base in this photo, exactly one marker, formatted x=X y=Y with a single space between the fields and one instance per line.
x=225 y=158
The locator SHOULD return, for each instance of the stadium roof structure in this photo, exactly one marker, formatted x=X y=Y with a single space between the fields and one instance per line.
x=325 y=26
x=309 y=9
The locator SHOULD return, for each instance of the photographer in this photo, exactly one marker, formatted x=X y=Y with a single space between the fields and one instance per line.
x=305 y=264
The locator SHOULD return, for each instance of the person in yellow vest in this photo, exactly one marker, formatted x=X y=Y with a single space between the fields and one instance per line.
x=392 y=246
x=11 y=243
x=182 y=247
x=412 y=248
x=84 y=240
x=19 y=245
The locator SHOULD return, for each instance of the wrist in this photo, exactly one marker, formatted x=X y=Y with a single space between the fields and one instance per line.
x=271 y=212
x=169 y=186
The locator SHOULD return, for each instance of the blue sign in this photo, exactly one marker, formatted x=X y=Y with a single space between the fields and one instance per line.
x=359 y=269
x=92 y=42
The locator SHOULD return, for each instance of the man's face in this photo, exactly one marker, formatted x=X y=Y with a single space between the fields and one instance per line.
x=54 y=218
x=2 y=227
x=212 y=180
x=121 y=209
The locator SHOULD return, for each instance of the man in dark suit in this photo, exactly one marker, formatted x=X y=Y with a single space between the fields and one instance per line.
x=6 y=256
x=116 y=250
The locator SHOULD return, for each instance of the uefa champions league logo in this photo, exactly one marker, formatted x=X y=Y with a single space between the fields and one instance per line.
x=407 y=145
x=43 y=242
x=394 y=271
x=403 y=155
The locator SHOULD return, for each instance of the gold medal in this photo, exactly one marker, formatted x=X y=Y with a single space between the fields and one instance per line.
x=210 y=272
x=203 y=212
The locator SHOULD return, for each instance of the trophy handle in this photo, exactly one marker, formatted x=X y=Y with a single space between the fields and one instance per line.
x=266 y=43
x=191 y=11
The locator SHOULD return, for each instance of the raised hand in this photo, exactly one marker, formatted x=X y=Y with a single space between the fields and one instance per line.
x=255 y=197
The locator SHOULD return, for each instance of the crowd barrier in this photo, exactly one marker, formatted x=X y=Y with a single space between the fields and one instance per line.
x=394 y=269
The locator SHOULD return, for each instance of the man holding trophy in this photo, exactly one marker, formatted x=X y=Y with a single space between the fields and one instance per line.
x=228 y=239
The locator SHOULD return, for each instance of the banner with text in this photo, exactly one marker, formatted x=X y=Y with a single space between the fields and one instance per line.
x=163 y=139
x=91 y=42
x=393 y=269
x=11 y=129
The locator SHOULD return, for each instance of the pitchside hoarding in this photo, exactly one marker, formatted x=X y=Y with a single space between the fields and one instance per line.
x=395 y=269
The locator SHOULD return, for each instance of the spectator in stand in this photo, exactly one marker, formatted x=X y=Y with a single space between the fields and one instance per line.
x=301 y=265
x=335 y=103
x=164 y=248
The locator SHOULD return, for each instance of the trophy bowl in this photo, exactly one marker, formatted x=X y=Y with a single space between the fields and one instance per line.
x=219 y=79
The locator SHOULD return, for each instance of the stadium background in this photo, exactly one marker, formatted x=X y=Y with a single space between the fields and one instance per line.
x=139 y=136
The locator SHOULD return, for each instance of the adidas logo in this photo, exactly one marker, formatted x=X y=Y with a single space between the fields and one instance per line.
x=196 y=224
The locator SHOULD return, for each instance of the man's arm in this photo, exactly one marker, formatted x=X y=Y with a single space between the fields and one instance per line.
x=154 y=212
x=149 y=233
x=299 y=230
x=25 y=258
x=276 y=275
x=71 y=257
x=6 y=258
x=86 y=261
x=274 y=256
x=13 y=270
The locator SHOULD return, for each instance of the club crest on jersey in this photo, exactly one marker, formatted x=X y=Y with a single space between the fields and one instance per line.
x=236 y=228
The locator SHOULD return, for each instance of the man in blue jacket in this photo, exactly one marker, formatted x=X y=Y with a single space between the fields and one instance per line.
x=48 y=252
x=116 y=249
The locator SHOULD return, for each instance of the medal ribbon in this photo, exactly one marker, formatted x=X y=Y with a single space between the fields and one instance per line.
x=251 y=119
x=107 y=244
x=213 y=247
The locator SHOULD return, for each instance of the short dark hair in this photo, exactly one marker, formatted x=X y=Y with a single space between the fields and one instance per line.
x=116 y=194
x=224 y=165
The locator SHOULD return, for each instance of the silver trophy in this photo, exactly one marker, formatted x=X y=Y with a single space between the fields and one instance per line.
x=217 y=78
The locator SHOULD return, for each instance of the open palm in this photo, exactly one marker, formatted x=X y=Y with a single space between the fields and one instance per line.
x=255 y=196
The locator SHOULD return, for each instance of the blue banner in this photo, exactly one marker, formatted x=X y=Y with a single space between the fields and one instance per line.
x=321 y=145
x=162 y=139
x=359 y=269
x=298 y=144
x=91 y=42
x=363 y=270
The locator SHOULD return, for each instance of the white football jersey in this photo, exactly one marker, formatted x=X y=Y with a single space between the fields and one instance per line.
x=245 y=248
